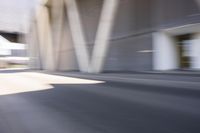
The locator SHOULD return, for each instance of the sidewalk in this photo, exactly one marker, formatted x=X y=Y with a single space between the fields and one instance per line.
x=176 y=72
x=188 y=80
x=154 y=79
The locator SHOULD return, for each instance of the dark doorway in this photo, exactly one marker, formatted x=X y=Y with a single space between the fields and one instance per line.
x=184 y=52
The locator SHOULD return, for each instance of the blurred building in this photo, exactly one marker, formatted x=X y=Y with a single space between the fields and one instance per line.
x=12 y=53
x=14 y=25
x=116 y=35
x=15 y=18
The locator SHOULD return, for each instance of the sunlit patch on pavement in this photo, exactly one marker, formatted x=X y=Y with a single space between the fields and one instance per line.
x=13 y=83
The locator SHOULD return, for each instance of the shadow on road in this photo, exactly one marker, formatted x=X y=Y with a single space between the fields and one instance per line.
x=101 y=108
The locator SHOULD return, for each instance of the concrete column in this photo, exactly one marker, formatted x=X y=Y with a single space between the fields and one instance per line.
x=33 y=48
x=50 y=48
x=103 y=35
x=195 y=50
x=41 y=35
x=78 y=35
x=57 y=27
x=45 y=38
x=165 y=52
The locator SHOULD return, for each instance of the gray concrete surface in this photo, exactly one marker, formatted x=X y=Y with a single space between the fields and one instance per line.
x=33 y=102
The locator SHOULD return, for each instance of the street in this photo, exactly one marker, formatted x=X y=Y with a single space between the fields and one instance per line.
x=33 y=102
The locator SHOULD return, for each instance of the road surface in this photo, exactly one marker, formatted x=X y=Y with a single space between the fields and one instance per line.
x=33 y=102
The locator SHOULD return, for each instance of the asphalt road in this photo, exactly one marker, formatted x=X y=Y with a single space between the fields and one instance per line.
x=41 y=103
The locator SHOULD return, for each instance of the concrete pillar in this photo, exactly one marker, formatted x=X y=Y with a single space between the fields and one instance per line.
x=103 y=35
x=57 y=27
x=195 y=50
x=33 y=48
x=79 y=41
x=45 y=38
x=50 y=48
x=165 y=55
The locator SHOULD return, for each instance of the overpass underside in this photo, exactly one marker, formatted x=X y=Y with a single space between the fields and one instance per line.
x=114 y=35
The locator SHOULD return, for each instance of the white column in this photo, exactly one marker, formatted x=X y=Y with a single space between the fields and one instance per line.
x=165 y=55
x=57 y=27
x=103 y=35
x=45 y=38
x=49 y=43
x=33 y=48
x=39 y=25
x=195 y=50
x=78 y=35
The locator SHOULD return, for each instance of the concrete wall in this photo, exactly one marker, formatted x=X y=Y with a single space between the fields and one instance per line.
x=131 y=42
x=130 y=54
x=172 y=13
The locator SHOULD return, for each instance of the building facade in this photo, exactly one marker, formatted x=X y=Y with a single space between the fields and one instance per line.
x=115 y=35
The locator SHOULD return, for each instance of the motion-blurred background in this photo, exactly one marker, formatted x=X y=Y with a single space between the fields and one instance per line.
x=98 y=36
x=15 y=21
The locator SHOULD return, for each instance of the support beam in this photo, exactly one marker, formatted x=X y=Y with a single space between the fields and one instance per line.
x=57 y=27
x=45 y=38
x=103 y=34
x=165 y=55
x=33 y=45
x=77 y=35
x=195 y=50
x=50 y=48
